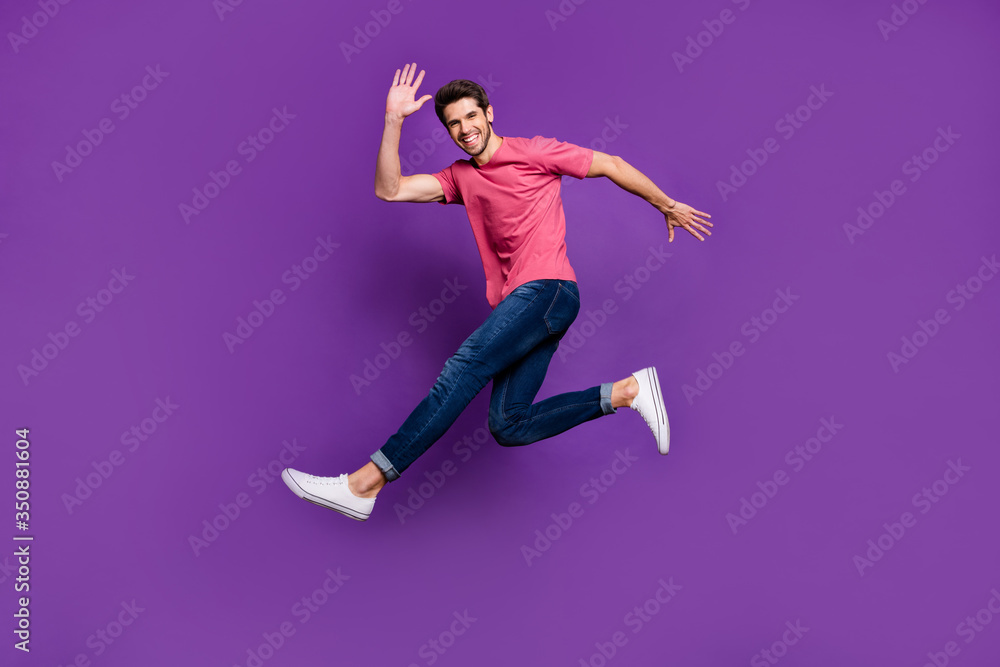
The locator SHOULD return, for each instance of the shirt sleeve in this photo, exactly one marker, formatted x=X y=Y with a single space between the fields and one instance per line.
x=561 y=157
x=446 y=177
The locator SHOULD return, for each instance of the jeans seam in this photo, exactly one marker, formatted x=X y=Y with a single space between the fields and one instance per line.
x=554 y=410
x=555 y=298
x=503 y=398
x=575 y=297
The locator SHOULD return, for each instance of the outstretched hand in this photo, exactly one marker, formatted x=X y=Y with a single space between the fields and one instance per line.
x=401 y=96
x=682 y=215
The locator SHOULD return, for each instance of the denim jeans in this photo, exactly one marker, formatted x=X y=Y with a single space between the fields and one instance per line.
x=512 y=347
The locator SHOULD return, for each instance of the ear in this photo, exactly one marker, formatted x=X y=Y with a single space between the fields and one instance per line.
x=489 y=113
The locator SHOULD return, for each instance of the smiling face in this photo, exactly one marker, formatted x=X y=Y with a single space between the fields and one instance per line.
x=468 y=126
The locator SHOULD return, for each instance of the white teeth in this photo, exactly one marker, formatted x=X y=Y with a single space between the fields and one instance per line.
x=471 y=139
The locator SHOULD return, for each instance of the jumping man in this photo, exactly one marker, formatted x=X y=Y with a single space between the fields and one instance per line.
x=510 y=187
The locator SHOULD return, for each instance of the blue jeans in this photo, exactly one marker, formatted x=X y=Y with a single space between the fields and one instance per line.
x=512 y=347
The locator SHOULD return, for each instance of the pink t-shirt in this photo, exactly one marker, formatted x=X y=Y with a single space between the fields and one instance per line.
x=515 y=209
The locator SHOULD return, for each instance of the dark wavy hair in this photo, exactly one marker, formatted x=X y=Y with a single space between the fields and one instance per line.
x=456 y=90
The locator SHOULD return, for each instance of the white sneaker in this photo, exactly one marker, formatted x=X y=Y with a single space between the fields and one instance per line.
x=649 y=404
x=330 y=492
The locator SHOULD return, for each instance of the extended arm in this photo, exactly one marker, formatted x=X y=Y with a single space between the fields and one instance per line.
x=627 y=177
x=390 y=184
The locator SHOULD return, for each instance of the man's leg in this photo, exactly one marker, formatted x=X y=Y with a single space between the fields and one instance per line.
x=515 y=420
x=367 y=481
x=521 y=325
x=526 y=317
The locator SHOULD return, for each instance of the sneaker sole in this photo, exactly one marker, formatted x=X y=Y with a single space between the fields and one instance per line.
x=316 y=500
x=661 y=409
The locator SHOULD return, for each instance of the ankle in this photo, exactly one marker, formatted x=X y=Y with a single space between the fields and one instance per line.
x=631 y=389
x=624 y=392
x=364 y=486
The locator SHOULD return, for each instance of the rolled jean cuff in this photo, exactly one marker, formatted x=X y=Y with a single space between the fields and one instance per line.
x=606 y=399
x=385 y=466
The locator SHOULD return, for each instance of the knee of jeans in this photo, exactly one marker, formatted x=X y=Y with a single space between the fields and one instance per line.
x=505 y=433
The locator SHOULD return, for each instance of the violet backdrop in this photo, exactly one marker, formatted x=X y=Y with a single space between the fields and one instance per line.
x=838 y=474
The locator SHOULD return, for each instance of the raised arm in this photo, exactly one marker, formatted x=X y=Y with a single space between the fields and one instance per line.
x=390 y=184
x=627 y=177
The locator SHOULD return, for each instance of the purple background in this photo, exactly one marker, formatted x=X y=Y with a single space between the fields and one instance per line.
x=664 y=517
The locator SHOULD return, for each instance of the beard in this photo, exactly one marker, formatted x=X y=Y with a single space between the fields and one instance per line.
x=480 y=146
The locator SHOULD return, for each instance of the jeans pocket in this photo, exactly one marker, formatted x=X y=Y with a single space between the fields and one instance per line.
x=563 y=310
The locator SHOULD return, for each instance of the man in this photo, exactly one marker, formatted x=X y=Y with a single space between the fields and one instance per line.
x=510 y=188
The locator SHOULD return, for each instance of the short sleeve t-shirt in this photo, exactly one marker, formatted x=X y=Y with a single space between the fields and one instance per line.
x=515 y=209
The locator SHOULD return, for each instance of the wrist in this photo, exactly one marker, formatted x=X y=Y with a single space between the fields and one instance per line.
x=666 y=205
x=392 y=117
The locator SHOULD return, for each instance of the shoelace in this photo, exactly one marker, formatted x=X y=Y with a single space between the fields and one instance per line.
x=316 y=479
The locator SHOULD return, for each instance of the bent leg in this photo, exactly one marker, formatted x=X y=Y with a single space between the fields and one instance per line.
x=516 y=421
x=516 y=326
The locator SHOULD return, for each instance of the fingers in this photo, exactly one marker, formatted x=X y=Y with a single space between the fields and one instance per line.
x=406 y=77
x=695 y=225
x=691 y=226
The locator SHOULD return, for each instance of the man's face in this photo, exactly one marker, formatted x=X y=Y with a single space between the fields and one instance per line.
x=465 y=120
